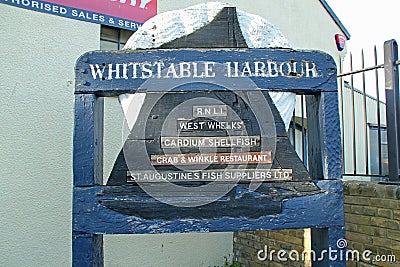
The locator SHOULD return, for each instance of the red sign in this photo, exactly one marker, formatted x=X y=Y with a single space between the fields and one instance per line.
x=136 y=10
x=127 y=14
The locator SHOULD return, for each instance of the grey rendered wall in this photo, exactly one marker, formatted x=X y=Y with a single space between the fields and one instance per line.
x=38 y=54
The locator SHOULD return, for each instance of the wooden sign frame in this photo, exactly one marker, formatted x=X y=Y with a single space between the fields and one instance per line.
x=223 y=42
x=323 y=212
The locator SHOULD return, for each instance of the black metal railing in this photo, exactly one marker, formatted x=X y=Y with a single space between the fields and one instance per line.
x=369 y=102
x=361 y=125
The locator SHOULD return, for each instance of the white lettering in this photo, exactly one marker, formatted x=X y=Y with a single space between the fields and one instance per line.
x=209 y=73
x=171 y=71
x=134 y=69
x=111 y=71
x=282 y=69
x=184 y=70
x=180 y=70
x=259 y=68
x=246 y=72
x=311 y=69
x=272 y=69
x=96 y=71
x=147 y=72
x=142 y=4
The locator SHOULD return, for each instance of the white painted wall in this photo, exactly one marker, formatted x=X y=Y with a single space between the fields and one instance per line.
x=38 y=54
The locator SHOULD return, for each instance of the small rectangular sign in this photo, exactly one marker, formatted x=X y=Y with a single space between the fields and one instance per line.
x=125 y=14
x=210 y=111
x=226 y=175
x=220 y=158
x=209 y=142
x=185 y=125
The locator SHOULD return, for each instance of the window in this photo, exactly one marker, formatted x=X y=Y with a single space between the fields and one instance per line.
x=298 y=137
x=113 y=38
x=374 y=150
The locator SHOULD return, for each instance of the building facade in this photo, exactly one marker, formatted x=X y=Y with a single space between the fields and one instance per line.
x=39 y=51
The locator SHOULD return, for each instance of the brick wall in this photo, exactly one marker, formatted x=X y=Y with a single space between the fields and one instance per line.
x=247 y=244
x=372 y=214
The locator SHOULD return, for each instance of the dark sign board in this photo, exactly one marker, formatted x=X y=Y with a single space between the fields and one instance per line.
x=223 y=128
x=275 y=69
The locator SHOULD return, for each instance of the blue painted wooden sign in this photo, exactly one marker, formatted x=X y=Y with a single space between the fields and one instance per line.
x=272 y=69
x=205 y=107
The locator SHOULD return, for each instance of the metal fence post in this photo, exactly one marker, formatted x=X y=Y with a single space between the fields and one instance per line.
x=392 y=107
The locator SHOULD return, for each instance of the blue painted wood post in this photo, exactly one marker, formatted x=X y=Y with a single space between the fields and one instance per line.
x=87 y=248
x=330 y=135
x=88 y=140
x=325 y=162
x=327 y=242
x=324 y=144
